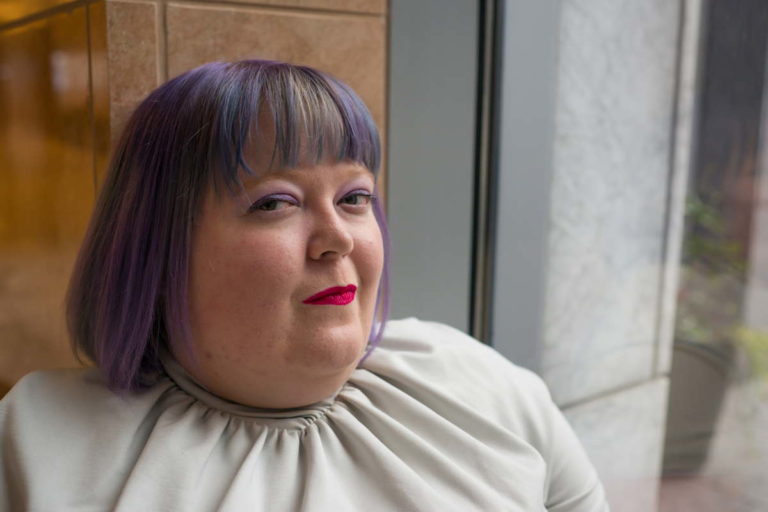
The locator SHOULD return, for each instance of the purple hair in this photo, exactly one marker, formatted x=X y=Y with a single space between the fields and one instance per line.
x=128 y=292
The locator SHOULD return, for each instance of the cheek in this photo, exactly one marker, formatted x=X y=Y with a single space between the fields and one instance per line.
x=371 y=259
x=233 y=275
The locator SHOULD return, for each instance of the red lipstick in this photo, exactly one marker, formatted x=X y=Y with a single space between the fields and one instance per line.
x=337 y=296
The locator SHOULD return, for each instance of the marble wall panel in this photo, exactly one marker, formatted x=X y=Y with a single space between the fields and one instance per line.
x=623 y=434
x=46 y=185
x=133 y=58
x=614 y=114
x=351 y=47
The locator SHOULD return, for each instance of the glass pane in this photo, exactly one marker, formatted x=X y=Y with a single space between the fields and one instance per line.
x=715 y=450
x=46 y=185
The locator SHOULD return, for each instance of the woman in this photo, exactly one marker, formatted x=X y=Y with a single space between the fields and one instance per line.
x=232 y=291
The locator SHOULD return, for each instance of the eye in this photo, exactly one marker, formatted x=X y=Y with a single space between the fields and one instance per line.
x=272 y=203
x=357 y=198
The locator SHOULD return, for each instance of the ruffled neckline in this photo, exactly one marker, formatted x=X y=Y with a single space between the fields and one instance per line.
x=307 y=413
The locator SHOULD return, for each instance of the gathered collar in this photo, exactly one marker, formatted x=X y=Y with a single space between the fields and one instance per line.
x=188 y=384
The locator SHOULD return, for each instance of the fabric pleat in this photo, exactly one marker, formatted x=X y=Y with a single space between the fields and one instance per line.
x=433 y=420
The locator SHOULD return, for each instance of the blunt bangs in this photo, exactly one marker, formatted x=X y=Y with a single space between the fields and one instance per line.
x=313 y=117
x=127 y=296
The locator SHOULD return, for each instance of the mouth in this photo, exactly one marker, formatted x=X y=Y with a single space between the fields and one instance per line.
x=336 y=296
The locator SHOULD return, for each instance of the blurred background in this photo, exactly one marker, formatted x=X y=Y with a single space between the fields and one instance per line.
x=578 y=183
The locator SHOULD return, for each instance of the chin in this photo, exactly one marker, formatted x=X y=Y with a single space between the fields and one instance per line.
x=329 y=350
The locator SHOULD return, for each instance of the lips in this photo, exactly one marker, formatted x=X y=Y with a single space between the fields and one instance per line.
x=337 y=296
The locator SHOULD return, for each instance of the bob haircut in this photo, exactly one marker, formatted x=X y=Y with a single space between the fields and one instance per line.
x=128 y=292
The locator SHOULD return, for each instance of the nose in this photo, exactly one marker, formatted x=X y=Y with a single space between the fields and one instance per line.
x=330 y=238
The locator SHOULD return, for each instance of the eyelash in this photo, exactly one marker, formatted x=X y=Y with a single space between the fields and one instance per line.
x=257 y=206
x=369 y=198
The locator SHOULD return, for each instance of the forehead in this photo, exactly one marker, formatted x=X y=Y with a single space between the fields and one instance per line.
x=262 y=155
x=308 y=173
x=292 y=151
x=260 y=149
x=264 y=150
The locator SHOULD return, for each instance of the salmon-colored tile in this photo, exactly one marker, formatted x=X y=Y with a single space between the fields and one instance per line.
x=351 y=47
x=46 y=185
x=362 y=6
x=132 y=61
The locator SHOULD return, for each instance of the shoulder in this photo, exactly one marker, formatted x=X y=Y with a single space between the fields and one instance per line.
x=437 y=363
x=45 y=407
x=67 y=427
x=66 y=396
x=47 y=392
x=61 y=416
x=48 y=384
x=442 y=348
x=468 y=370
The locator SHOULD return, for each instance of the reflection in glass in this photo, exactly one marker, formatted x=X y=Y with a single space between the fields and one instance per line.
x=718 y=402
x=46 y=184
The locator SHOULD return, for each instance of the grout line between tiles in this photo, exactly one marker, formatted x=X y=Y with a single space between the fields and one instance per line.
x=608 y=393
x=385 y=129
x=161 y=31
x=284 y=9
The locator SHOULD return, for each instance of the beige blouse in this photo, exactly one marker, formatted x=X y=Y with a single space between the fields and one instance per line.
x=432 y=421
